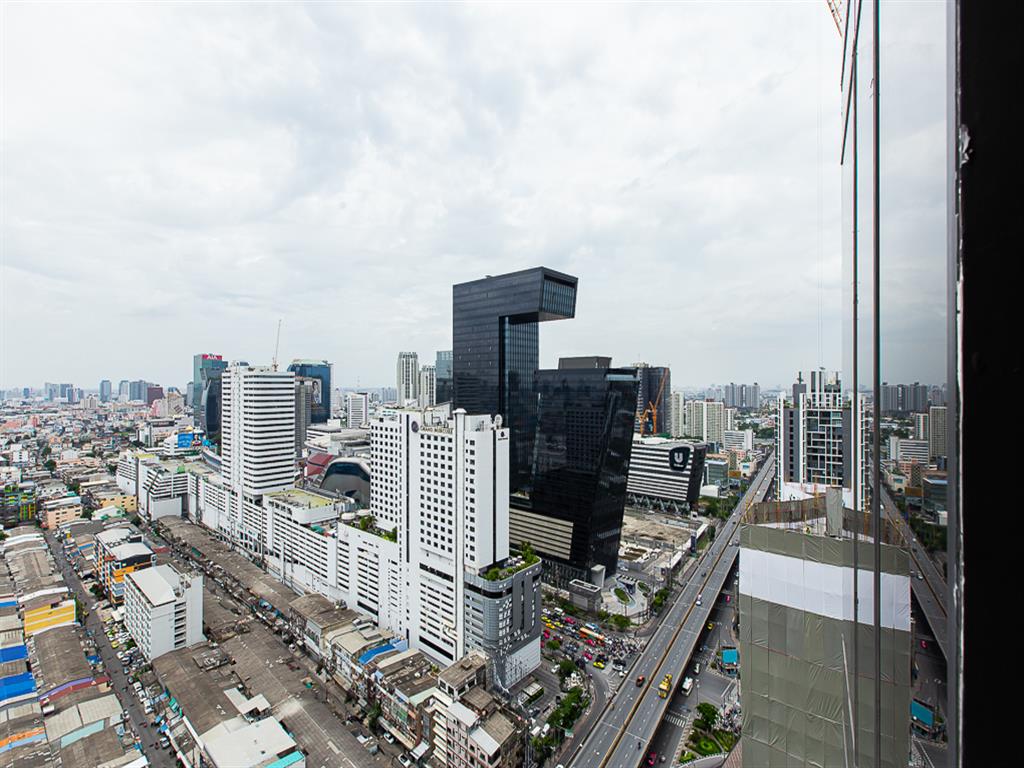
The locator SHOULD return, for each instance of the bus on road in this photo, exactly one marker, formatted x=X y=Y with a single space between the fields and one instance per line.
x=687 y=686
x=597 y=637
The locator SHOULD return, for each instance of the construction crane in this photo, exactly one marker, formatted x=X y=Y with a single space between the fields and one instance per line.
x=835 y=8
x=652 y=407
x=277 y=344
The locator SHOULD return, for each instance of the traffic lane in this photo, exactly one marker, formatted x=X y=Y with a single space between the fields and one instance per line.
x=119 y=683
x=681 y=606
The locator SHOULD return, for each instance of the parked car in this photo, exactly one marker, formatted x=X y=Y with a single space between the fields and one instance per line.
x=404 y=760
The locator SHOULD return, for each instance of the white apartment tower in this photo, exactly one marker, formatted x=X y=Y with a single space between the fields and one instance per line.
x=257 y=429
x=428 y=386
x=677 y=418
x=705 y=420
x=408 y=377
x=357 y=405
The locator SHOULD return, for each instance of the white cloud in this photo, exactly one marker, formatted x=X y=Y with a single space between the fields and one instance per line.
x=177 y=177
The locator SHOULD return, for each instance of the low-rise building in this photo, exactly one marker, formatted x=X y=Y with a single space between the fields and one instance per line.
x=163 y=609
x=54 y=512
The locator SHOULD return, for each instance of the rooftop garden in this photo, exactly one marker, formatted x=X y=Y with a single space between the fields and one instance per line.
x=525 y=559
x=368 y=523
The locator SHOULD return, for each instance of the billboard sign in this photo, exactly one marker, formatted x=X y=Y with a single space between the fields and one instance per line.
x=189 y=440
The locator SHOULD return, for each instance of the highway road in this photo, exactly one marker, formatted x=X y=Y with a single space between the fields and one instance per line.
x=627 y=726
x=929 y=591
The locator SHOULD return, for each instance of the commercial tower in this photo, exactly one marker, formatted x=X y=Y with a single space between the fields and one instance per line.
x=106 y=390
x=407 y=377
x=320 y=372
x=357 y=406
x=571 y=509
x=570 y=429
x=495 y=350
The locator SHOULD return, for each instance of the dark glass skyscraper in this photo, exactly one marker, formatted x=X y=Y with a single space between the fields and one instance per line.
x=320 y=372
x=443 y=377
x=581 y=455
x=495 y=353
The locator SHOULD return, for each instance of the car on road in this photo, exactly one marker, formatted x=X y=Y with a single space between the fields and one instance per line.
x=698 y=601
x=599 y=664
x=640 y=680
x=405 y=761
x=389 y=738
x=652 y=758
x=696 y=668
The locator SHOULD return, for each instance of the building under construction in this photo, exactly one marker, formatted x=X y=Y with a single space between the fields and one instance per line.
x=808 y=689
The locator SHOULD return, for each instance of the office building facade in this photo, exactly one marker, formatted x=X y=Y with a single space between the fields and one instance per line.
x=304 y=397
x=106 y=389
x=443 y=376
x=665 y=473
x=357 y=406
x=320 y=372
x=407 y=378
x=258 y=435
x=571 y=508
x=495 y=352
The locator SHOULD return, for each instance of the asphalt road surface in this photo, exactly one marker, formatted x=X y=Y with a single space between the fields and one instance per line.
x=628 y=724
x=120 y=684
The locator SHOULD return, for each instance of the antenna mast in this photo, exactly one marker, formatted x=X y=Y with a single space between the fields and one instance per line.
x=277 y=344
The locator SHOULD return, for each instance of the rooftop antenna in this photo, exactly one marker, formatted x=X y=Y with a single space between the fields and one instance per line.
x=277 y=344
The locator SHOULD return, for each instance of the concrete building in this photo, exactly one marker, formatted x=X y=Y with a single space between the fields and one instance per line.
x=163 y=609
x=677 y=419
x=705 y=420
x=433 y=563
x=106 y=388
x=427 y=386
x=920 y=426
x=738 y=439
x=407 y=377
x=357 y=406
x=912 y=450
x=118 y=552
x=799 y=629
x=653 y=412
x=54 y=512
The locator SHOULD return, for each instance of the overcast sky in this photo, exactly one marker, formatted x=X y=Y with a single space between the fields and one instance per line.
x=176 y=178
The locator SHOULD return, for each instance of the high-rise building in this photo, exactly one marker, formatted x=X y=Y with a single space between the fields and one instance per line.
x=357 y=406
x=705 y=420
x=105 y=390
x=571 y=507
x=427 y=386
x=811 y=434
x=746 y=397
x=304 y=388
x=653 y=412
x=137 y=390
x=407 y=376
x=444 y=576
x=937 y=430
x=677 y=422
x=666 y=473
x=796 y=603
x=388 y=395
x=920 y=426
x=206 y=368
x=495 y=350
x=443 y=375
x=320 y=372
x=258 y=429
x=124 y=389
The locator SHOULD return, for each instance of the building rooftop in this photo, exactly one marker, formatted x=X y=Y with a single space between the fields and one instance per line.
x=130 y=550
x=158 y=583
x=238 y=744
x=297 y=497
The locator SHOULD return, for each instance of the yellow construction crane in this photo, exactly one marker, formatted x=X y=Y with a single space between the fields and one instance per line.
x=652 y=407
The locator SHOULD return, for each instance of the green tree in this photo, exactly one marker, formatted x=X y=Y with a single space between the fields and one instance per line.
x=553 y=645
x=565 y=668
x=708 y=716
x=622 y=623
x=711 y=533
x=51 y=466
